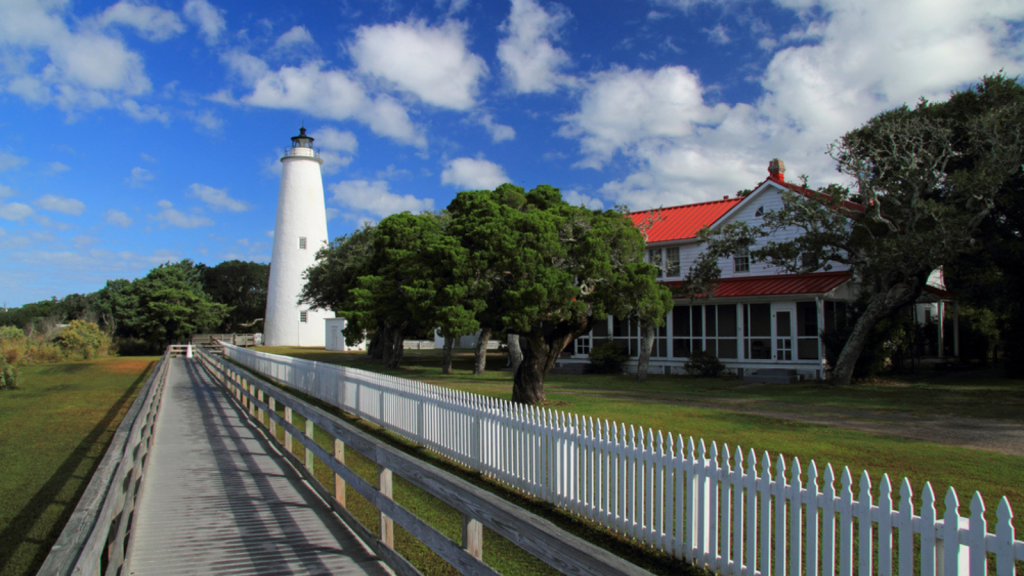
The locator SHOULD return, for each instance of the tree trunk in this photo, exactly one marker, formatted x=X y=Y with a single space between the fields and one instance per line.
x=879 y=307
x=480 y=356
x=646 y=343
x=542 y=347
x=446 y=356
x=515 y=353
x=393 y=344
x=375 y=348
x=528 y=383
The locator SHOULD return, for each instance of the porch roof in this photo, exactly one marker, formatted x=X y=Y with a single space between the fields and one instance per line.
x=778 y=285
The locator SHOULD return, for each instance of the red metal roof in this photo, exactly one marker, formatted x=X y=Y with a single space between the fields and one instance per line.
x=683 y=222
x=784 y=284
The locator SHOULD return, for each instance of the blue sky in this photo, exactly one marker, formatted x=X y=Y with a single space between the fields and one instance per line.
x=139 y=132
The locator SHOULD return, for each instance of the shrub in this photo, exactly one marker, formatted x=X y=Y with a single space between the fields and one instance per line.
x=8 y=375
x=704 y=364
x=12 y=344
x=135 y=347
x=80 y=340
x=607 y=358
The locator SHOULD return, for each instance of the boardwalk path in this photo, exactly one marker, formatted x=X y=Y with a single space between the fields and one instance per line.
x=219 y=499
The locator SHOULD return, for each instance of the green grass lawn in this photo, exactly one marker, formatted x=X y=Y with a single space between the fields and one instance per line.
x=656 y=405
x=53 y=433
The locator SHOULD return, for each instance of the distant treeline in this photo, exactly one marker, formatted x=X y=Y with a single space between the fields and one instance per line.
x=167 y=305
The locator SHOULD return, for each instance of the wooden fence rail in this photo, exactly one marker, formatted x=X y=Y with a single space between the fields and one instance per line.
x=95 y=539
x=479 y=507
x=712 y=506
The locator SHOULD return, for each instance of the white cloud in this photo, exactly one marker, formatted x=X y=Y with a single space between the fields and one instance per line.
x=330 y=138
x=294 y=42
x=330 y=94
x=58 y=167
x=174 y=217
x=207 y=120
x=208 y=18
x=9 y=161
x=117 y=218
x=432 y=63
x=15 y=211
x=218 y=198
x=718 y=34
x=5 y=191
x=139 y=177
x=577 y=199
x=853 y=61
x=374 y=197
x=498 y=132
x=45 y=62
x=473 y=174
x=144 y=113
x=53 y=203
x=622 y=108
x=530 y=61
x=152 y=23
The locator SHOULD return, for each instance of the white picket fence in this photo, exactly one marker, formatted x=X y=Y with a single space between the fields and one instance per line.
x=712 y=507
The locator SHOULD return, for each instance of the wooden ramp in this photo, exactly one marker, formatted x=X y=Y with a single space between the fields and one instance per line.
x=218 y=497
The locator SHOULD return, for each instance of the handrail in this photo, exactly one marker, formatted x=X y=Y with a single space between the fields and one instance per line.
x=95 y=538
x=480 y=508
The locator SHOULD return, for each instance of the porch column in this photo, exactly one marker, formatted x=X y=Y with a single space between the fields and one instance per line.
x=942 y=313
x=819 y=306
x=956 y=329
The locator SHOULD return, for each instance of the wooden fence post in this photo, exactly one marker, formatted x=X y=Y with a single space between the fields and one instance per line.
x=387 y=525
x=339 y=484
x=473 y=537
x=270 y=420
x=287 y=435
x=309 y=453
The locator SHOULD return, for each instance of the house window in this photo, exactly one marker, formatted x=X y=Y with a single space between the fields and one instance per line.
x=654 y=258
x=303 y=316
x=626 y=336
x=757 y=331
x=741 y=261
x=709 y=328
x=759 y=212
x=806 y=331
x=302 y=246
x=672 y=267
x=581 y=346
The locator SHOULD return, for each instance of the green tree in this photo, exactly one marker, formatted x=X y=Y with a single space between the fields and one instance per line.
x=243 y=287
x=172 y=304
x=116 y=304
x=549 y=268
x=919 y=208
x=411 y=288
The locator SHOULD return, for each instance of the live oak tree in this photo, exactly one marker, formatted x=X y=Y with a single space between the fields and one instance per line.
x=171 y=304
x=915 y=208
x=243 y=287
x=394 y=279
x=549 y=269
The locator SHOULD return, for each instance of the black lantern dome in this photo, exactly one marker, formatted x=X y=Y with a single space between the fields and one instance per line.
x=302 y=141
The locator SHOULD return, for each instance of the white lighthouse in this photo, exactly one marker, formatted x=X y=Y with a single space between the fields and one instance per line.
x=300 y=230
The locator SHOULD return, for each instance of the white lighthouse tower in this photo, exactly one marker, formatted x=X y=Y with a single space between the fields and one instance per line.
x=300 y=230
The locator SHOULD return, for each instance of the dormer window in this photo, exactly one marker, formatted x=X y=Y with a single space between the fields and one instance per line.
x=672 y=267
x=741 y=261
x=654 y=258
x=302 y=243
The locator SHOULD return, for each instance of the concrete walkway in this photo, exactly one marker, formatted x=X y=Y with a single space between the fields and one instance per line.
x=219 y=499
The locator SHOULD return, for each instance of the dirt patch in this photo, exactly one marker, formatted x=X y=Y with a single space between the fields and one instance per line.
x=126 y=365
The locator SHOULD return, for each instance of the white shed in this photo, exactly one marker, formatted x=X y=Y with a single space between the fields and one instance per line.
x=334 y=339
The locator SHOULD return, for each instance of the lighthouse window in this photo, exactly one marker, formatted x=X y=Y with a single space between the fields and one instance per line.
x=303 y=315
x=302 y=243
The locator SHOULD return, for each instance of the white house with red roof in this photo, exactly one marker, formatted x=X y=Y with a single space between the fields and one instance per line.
x=760 y=319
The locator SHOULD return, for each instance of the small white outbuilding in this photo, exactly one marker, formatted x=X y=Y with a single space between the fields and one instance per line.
x=334 y=339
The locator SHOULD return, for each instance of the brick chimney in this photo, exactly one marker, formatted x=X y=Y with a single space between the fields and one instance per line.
x=777 y=170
